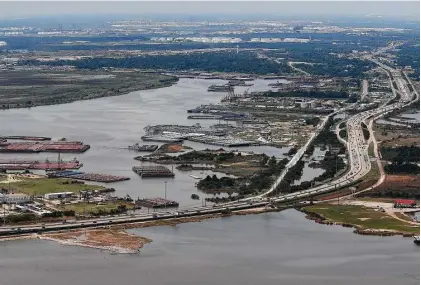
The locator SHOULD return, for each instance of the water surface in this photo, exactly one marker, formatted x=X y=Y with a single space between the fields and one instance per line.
x=272 y=248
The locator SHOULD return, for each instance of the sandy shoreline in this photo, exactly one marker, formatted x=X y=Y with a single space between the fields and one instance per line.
x=121 y=243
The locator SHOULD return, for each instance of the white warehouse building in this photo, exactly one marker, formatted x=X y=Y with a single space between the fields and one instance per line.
x=58 y=195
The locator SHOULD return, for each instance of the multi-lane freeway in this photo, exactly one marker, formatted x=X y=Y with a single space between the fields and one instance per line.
x=359 y=166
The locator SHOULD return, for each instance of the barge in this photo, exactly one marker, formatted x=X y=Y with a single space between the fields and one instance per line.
x=204 y=117
x=52 y=146
x=37 y=165
x=25 y=138
x=161 y=138
x=237 y=82
x=105 y=178
x=220 y=88
x=156 y=203
x=152 y=171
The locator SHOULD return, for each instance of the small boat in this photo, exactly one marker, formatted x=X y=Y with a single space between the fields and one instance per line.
x=195 y=177
x=417 y=240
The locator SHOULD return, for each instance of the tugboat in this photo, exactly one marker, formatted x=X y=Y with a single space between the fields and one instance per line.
x=417 y=240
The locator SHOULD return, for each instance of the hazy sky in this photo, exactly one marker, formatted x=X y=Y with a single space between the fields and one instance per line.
x=37 y=8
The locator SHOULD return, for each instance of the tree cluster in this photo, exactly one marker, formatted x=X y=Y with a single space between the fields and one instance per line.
x=245 y=62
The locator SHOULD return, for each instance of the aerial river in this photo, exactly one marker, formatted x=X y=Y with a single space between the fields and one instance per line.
x=270 y=248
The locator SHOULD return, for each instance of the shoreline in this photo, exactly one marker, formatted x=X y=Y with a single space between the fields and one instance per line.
x=320 y=219
x=68 y=100
x=72 y=237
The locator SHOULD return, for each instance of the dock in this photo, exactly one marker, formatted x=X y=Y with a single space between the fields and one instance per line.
x=153 y=171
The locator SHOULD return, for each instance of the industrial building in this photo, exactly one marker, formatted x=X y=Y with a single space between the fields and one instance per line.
x=58 y=195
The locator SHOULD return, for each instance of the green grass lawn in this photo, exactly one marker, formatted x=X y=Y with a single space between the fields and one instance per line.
x=40 y=186
x=81 y=208
x=361 y=216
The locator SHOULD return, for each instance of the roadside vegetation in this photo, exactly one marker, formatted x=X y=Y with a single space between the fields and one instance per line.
x=402 y=159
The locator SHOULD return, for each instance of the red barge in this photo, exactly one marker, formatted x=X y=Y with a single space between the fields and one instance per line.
x=44 y=146
x=37 y=165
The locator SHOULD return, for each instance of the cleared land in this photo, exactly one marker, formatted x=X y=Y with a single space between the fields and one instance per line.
x=23 y=89
x=360 y=216
x=397 y=186
x=106 y=239
x=40 y=186
x=392 y=136
x=82 y=208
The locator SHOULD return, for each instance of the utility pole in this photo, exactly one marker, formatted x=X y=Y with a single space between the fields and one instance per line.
x=165 y=205
x=58 y=166
x=336 y=163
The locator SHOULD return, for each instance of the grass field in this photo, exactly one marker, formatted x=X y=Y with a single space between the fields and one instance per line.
x=404 y=217
x=40 y=186
x=81 y=208
x=366 y=218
